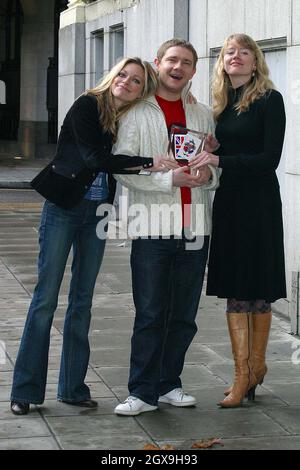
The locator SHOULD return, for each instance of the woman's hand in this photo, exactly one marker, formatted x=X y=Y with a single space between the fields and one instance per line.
x=191 y=99
x=211 y=144
x=161 y=163
x=182 y=178
x=204 y=174
x=202 y=159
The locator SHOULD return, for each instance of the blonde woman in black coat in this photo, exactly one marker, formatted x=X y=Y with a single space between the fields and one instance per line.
x=75 y=184
x=246 y=262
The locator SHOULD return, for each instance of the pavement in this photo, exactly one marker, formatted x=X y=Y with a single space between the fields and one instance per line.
x=272 y=422
x=16 y=173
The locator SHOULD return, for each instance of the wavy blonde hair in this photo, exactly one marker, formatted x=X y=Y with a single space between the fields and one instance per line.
x=254 y=89
x=109 y=114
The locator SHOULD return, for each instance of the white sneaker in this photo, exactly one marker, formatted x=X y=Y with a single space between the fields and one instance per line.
x=133 y=406
x=177 y=397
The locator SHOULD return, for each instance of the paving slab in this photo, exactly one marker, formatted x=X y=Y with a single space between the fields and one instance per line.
x=193 y=423
x=96 y=425
x=253 y=443
x=100 y=442
x=288 y=392
x=23 y=427
x=30 y=443
x=287 y=417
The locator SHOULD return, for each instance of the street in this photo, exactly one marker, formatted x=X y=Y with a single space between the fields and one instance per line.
x=273 y=421
x=19 y=196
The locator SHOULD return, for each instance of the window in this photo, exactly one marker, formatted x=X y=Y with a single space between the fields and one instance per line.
x=96 y=57
x=2 y=92
x=116 y=44
x=99 y=56
x=11 y=20
x=2 y=35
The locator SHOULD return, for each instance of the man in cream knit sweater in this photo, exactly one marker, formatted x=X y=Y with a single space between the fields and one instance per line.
x=167 y=267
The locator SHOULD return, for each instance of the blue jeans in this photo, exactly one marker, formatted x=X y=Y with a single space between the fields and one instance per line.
x=60 y=230
x=167 y=283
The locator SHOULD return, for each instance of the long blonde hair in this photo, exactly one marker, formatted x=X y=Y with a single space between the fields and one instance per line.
x=109 y=114
x=255 y=88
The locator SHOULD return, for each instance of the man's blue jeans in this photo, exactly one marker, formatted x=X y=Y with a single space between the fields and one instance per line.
x=60 y=229
x=167 y=282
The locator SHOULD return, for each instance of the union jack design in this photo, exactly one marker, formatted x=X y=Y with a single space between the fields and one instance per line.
x=179 y=140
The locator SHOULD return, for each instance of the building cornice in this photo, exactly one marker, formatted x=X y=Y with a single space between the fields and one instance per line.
x=102 y=8
x=75 y=13
x=80 y=11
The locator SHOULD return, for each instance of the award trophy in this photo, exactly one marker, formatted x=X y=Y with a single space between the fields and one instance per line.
x=185 y=143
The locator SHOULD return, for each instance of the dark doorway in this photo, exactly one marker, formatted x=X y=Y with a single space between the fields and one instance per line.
x=52 y=76
x=11 y=20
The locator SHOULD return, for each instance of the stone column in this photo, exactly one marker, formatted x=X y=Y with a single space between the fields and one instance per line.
x=292 y=232
x=292 y=167
x=71 y=72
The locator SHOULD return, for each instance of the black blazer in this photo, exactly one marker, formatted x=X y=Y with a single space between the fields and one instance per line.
x=83 y=150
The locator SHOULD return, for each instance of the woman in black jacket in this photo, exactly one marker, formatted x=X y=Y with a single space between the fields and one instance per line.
x=75 y=185
x=246 y=261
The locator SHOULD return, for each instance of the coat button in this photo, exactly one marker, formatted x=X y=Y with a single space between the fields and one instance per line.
x=86 y=187
x=73 y=175
x=53 y=167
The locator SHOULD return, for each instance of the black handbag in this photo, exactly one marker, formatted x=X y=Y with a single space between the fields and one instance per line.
x=63 y=191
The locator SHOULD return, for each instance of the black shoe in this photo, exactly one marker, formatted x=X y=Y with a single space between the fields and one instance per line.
x=84 y=403
x=18 y=408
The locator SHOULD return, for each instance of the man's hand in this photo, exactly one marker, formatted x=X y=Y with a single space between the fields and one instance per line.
x=211 y=144
x=161 y=163
x=181 y=178
x=202 y=159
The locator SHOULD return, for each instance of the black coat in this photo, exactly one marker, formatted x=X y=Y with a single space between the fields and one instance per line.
x=83 y=150
x=247 y=255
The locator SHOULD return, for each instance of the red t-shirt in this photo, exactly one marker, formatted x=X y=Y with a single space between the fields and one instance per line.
x=174 y=114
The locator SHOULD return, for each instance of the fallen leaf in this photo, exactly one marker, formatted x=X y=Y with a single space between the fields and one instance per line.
x=150 y=447
x=206 y=443
x=153 y=447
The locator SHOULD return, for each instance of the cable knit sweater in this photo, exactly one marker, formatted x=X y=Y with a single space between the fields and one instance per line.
x=143 y=131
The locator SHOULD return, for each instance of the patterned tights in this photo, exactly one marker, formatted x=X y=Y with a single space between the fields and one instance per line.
x=248 y=306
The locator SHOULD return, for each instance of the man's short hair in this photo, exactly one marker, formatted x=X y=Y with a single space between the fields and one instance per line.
x=177 y=42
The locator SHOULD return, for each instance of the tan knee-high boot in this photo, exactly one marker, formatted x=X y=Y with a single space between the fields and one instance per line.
x=261 y=324
x=240 y=335
x=261 y=328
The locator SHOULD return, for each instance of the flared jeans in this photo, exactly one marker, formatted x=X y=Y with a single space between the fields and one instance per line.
x=60 y=230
